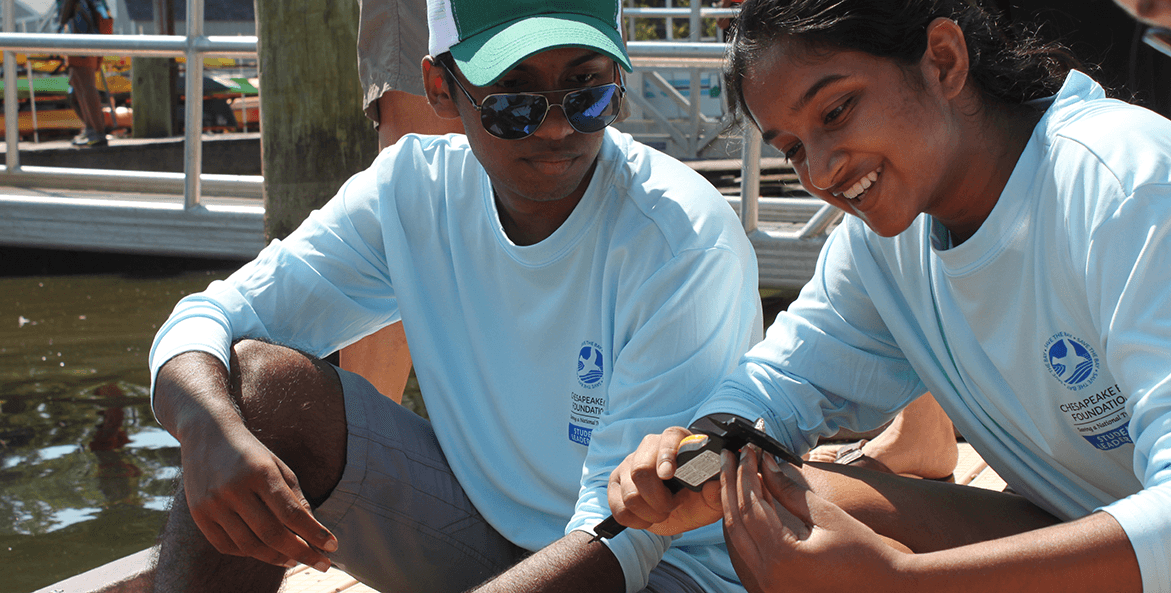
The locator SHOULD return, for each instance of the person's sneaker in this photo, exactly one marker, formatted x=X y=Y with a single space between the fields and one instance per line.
x=90 y=138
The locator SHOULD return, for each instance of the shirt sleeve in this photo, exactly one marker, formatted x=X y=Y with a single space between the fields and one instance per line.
x=798 y=379
x=326 y=285
x=675 y=336
x=1135 y=311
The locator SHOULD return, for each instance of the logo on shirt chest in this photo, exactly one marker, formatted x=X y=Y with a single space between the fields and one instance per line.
x=1100 y=417
x=589 y=365
x=1071 y=360
x=587 y=407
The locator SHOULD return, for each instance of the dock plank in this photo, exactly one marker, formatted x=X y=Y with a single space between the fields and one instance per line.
x=306 y=580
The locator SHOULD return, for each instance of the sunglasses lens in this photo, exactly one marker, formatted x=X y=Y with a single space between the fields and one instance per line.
x=510 y=117
x=592 y=109
x=514 y=116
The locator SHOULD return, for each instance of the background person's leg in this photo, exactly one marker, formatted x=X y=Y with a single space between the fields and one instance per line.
x=919 y=442
x=81 y=78
x=383 y=358
x=401 y=113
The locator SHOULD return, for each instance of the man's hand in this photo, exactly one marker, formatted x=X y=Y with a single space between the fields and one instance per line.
x=639 y=498
x=781 y=534
x=241 y=496
x=247 y=502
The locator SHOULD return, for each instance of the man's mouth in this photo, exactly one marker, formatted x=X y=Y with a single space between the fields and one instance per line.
x=552 y=164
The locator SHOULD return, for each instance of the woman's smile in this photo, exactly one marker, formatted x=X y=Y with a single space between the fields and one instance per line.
x=855 y=191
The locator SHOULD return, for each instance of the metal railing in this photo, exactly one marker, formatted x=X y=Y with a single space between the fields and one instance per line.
x=696 y=55
x=785 y=256
x=194 y=47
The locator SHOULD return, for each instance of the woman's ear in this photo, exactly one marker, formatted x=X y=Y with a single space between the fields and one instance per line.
x=945 y=62
x=438 y=92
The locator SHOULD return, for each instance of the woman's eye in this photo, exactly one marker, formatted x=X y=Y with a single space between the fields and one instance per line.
x=837 y=112
x=791 y=152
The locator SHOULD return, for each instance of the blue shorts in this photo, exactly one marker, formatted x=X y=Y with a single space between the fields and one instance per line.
x=402 y=520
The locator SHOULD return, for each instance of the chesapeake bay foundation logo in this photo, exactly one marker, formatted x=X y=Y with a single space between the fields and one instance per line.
x=1071 y=360
x=589 y=365
x=1101 y=418
x=586 y=408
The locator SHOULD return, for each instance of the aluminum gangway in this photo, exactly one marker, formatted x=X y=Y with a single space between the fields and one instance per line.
x=205 y=215
x=787 y=232
x=129 y=211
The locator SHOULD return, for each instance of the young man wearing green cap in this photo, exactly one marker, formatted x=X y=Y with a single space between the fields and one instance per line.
x=564 y=289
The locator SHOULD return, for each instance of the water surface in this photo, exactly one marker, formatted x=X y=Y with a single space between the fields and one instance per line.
x=86 y=473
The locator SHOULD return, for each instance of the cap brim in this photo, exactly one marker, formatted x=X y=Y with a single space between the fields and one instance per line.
x=485 y=57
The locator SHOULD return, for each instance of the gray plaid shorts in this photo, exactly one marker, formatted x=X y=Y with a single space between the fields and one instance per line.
x=402 y=520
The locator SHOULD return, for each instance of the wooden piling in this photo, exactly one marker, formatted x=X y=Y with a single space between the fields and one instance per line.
x=313 y=133
x=151 y=90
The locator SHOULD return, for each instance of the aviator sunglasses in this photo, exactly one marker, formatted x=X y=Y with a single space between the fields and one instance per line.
x=512 y=116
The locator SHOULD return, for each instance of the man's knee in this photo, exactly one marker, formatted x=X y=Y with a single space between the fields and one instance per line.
x=265 y=376
x=293 y=403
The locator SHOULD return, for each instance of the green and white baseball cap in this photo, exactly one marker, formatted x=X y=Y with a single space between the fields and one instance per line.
x=488 y=38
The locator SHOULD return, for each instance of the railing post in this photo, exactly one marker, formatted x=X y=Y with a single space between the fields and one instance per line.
x=11 y=106
x=750 y=178
x=695 y=26
x=193 y=123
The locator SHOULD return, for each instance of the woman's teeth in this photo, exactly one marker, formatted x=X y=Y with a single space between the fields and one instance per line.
x=862 y=185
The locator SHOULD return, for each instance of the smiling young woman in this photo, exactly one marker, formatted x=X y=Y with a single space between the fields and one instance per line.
x=1009 y=252
x=887 y=130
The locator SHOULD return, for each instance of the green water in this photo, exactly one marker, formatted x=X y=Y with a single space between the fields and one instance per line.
x=85 y=471
x=86 y=474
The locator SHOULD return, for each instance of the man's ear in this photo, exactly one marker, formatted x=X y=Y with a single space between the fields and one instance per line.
x=945 y=62
x=439 y=94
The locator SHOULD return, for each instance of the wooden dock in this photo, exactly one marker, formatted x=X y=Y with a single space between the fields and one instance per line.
x=130 y=574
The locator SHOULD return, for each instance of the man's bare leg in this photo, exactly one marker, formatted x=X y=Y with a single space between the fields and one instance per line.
x=920 y=442
x=294 y=406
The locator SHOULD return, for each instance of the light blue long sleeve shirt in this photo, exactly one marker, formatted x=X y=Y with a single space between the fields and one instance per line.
x=541 y=366
x=1046 y=336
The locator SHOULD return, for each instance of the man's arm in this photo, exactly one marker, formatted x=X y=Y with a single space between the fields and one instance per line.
x=780 y=533
x=571 y=564
x=244 y=500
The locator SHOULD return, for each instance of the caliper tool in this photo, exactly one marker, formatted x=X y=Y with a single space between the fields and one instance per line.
x=698 y=459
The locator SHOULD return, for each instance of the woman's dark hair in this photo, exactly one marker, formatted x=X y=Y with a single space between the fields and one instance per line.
x=1010 y=66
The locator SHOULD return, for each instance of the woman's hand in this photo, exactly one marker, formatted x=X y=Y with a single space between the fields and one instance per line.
x=639 y=498
x=783 y=537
